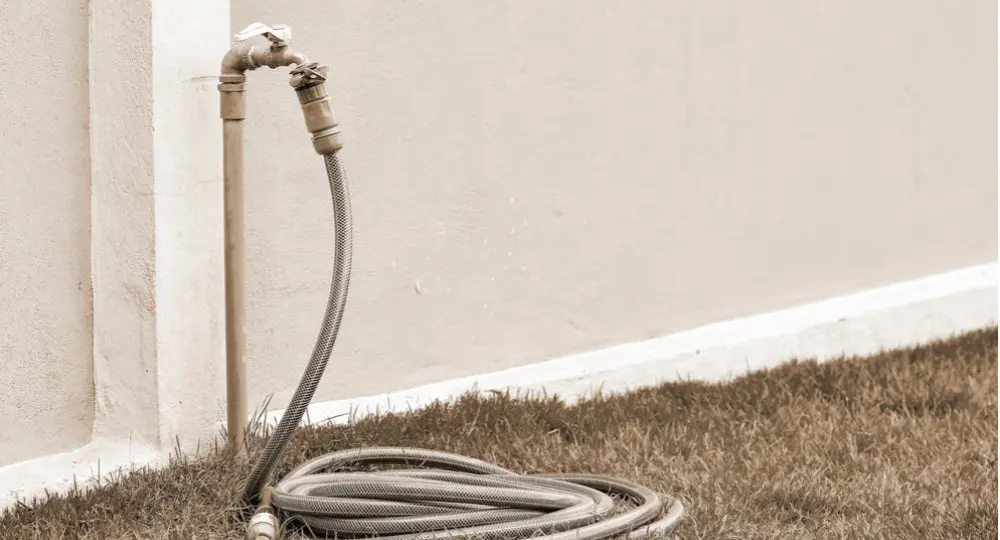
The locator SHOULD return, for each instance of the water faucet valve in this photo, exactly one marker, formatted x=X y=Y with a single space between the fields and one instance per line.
x=279 y=35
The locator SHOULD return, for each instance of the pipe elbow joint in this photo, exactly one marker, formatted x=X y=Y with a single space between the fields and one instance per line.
x=236 y=61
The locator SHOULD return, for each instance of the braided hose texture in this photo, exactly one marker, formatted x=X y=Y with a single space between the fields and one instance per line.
x=436 y=495
x=443 y=495
x=339 y=285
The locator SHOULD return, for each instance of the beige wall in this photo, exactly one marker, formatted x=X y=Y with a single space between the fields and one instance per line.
x=532 y=179
x=46 y=380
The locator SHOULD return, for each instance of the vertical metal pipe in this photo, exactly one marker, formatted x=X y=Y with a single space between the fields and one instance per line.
x=233 y=117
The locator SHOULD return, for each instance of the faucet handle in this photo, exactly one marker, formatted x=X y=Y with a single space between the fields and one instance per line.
x=279 y=34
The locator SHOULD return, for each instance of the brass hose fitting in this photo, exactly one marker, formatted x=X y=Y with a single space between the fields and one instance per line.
x=264 y=526
x=317 y=107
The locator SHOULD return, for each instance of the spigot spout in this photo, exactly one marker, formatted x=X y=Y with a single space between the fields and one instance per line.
x=245 y=57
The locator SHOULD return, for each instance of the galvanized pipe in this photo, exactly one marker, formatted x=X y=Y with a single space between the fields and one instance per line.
x=235 y=258
x=232 y=107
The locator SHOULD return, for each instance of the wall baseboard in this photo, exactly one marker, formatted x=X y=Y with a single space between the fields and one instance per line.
x=58 y=473
x=899 y=315
x=902 y=314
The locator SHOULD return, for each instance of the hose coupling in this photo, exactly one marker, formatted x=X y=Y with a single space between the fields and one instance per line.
x=264 y=526
x=317 y=107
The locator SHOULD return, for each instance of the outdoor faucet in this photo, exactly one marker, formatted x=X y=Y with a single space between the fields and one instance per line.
x=315 y=498
x=308 y=80
x=245 y=57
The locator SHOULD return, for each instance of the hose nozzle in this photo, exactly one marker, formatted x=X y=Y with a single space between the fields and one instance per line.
x=317 y=107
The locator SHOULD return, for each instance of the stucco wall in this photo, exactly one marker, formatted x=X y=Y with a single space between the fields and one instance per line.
x=46 y=378
x=533 y=179
x=530 y=180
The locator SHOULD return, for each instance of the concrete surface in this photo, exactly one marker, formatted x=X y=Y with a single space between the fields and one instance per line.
x=900 y=315
x=46 y=359
x=535 y=179
x=122 y=196
x=531 y=181
x=190 y=287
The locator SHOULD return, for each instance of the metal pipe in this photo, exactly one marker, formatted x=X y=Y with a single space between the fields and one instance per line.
x=232 y=107
x=308 y=81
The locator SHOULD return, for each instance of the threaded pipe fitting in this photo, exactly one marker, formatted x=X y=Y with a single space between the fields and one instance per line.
x=317 y=108
x=264 y=526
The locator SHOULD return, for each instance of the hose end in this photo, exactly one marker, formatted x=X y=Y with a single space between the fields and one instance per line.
x=264 y=526
x=317 y=107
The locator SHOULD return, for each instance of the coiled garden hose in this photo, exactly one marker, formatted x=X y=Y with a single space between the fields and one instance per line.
x=442 y=495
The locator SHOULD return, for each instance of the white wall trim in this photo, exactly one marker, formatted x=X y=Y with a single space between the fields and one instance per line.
x=190 y=37
x=897 y=315
x=156 y=219
x=57 y=473
x=156 y=241
x=122 y=222
x=862 y=323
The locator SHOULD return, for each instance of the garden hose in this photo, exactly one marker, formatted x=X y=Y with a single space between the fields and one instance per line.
x=441 y=495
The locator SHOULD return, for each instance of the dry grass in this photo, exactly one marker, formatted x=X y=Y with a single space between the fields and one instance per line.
x=900 y=445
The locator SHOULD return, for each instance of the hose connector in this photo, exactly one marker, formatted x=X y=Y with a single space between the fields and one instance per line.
x=264 y=526
x=317 y=107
